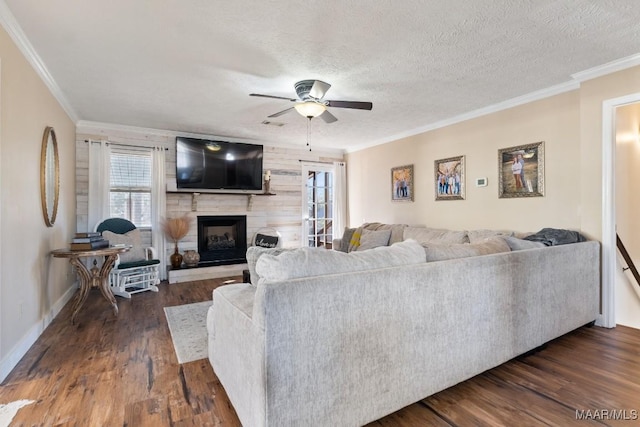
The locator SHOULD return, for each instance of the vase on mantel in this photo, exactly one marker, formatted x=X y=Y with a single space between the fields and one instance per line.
x=176 y=258
x=191 y=258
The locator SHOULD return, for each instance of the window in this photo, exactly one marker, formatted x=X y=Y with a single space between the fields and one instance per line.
x=130 y=187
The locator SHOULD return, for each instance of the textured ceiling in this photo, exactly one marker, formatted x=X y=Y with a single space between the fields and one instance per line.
x=189 y=66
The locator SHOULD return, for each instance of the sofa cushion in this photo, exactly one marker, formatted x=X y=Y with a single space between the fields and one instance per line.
x=307 y=262
x=517 y=244
x=133 y=239
x=255 y=252
x=435 y=235
x=477 y=236
x=441 y=252
x=372 y=239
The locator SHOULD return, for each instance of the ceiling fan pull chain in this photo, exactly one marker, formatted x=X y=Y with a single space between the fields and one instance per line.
x=308 y=122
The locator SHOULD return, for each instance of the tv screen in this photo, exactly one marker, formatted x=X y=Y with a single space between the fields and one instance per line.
x=218 y=165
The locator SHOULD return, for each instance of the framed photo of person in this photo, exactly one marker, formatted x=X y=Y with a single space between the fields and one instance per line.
x=521 y=171
x=449 y=178
x=402 y=183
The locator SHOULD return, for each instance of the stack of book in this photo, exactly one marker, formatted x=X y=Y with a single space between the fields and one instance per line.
x=88 y=241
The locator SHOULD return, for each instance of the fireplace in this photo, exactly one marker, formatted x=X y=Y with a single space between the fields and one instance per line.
x=222 y=240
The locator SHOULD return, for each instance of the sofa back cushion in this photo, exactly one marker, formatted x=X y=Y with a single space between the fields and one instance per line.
x=517 y=244
x=307 y=262
x=435 y=235
x=477 y=236
x=255 y=252
x=441 y=252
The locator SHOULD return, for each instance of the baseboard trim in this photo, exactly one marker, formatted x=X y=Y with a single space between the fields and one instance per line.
x=20 y=349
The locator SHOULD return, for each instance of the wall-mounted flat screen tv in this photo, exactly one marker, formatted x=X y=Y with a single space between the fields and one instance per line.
x=217 y=165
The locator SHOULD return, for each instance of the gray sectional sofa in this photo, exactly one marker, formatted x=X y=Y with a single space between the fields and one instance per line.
x=326 y=338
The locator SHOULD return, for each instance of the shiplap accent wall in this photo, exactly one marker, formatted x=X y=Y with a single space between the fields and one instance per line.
x=282 y=211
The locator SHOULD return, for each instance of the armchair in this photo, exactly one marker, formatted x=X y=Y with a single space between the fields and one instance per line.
x=136 y=270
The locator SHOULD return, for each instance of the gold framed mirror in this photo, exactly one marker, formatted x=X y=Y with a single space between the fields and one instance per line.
x=49 y=176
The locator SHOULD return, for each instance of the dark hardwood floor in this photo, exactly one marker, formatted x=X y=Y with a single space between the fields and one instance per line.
x=122 y=371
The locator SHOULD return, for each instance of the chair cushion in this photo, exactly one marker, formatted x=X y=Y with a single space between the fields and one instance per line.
x=133 y=239
x=143 y=263
x=116 y=225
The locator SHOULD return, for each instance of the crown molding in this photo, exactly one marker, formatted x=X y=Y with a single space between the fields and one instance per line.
x=91 y=127
x=510 y=103
x=11 y=26
x=608 y=68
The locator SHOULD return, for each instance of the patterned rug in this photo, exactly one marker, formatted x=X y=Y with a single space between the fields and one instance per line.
x=188 y=326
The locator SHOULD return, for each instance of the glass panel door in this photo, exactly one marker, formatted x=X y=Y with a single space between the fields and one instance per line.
x=318 y=205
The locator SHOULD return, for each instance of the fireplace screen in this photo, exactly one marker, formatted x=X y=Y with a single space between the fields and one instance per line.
x=220 y=237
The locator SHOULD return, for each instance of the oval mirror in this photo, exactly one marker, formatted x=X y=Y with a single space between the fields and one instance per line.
x=49 y=176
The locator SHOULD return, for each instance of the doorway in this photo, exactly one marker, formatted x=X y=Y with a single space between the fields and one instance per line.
x=317 y=205
x=609 y=250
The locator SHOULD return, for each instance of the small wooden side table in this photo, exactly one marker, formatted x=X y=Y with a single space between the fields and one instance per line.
x=94 y=277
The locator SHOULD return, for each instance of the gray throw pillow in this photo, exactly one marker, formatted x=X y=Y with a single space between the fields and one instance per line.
x=519 y=244
x=373 y=239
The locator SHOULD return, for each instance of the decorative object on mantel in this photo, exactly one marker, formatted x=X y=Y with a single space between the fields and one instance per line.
x=176 y=229
x=191 y=258
x=267 y=182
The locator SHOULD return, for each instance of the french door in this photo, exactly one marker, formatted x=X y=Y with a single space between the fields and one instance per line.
x=317 y=205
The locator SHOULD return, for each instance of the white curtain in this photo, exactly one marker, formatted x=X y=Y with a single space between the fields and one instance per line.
x=99 y=175
x=158 y=208
x=340 y=199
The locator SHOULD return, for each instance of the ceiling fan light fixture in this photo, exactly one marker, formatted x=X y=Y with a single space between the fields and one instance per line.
x=310 y=108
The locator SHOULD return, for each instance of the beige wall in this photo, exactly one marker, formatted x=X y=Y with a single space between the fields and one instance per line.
x=553 y=120
x=31 y=283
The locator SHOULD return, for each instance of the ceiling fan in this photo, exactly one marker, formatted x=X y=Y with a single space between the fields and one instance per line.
x=310 y=103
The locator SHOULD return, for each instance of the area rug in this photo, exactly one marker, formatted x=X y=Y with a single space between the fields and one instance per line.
x=188 y=327
x=9 y=410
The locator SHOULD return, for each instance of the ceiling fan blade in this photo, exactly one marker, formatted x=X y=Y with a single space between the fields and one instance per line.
x=328 y=117
x=279 y=113
x=350 y=104
x=272 y=96
x=318 y=89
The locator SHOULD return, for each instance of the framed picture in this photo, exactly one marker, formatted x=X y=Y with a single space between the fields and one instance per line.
x=402 y=183
x=449 y=178
x=521 y=171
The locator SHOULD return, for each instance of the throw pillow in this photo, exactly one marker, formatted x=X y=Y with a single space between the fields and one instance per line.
x=440 y=252
x=309 y=262
x=355 y=239
x=435 y=235
x=265 y=241
x=519 y=244
x=373 y=239
x=346 y=239
x=133 y=239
